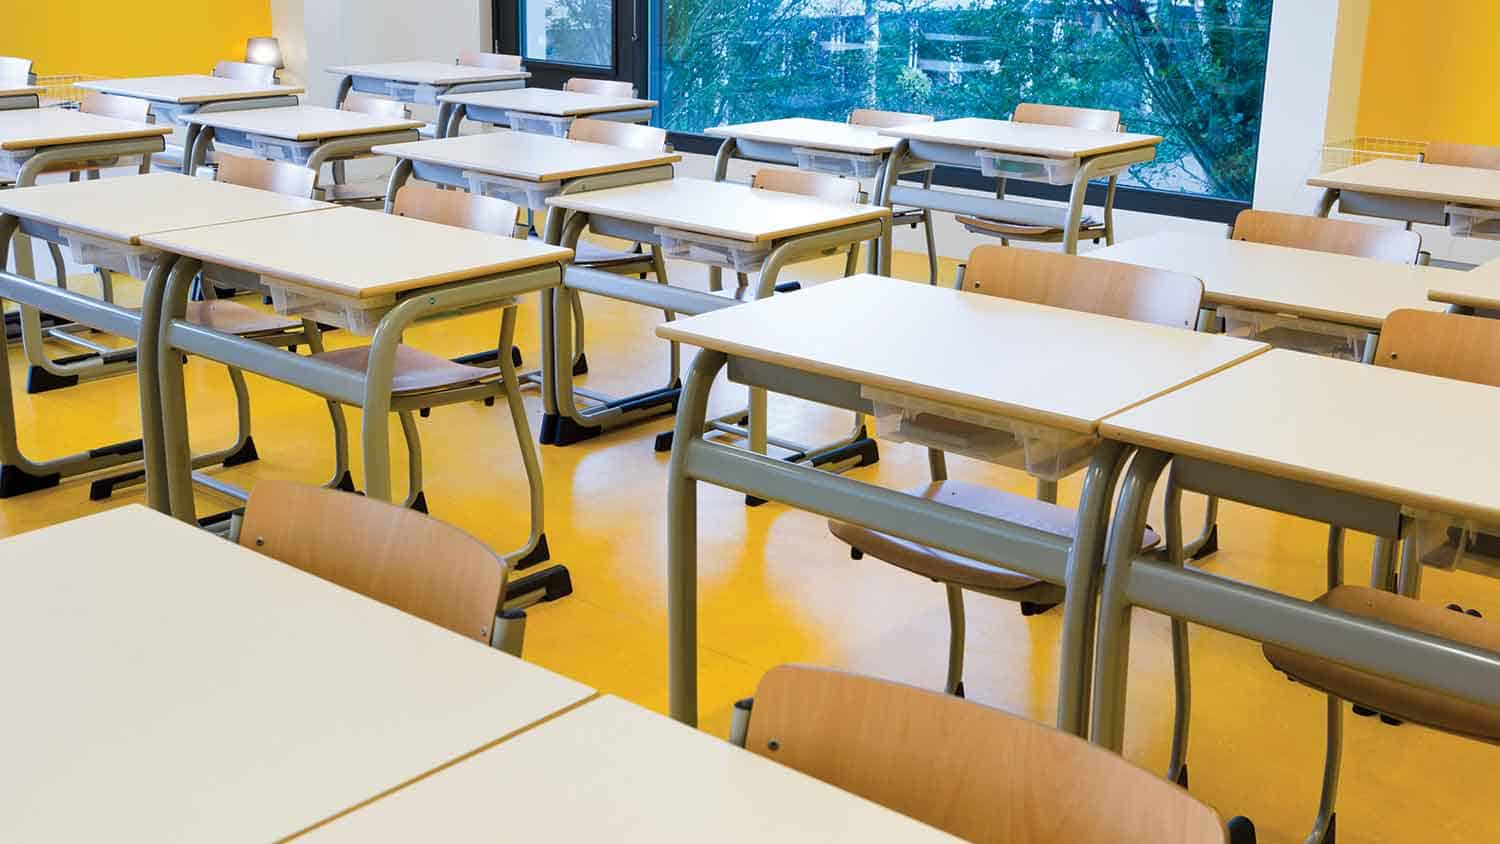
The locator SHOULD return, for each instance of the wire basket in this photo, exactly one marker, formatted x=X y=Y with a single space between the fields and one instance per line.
x=61 y=89
x=1348 y=153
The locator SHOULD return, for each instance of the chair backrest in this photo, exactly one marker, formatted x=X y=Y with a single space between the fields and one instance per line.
x=976 y=772
x=397 y=556
x=820 y=185
x=886 y=119
x=1321 y=234
x=255 y=74
x=456 y=208
x=377 y=107
x=110 y=105
x=1098 y=119
x=273 y=176
x=15 y=72
x=1462 y=155
x=603 y=87
x=1094 y=285
x=494 y=61
x=615 y=133
x=1464 y=348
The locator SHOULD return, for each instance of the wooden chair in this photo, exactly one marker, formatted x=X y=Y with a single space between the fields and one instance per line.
x=1466 y=348
x=1320 y=234
x=494 y=61
x=254 y=74
x=370 y=192
x=111 y=105
x=603 y=87
x=1045 y=278
x=400 y=558
x=616 y=134
x=805 y=183
x=436 y=380
x=1462 y=155
x=1090 y=228
x=274 y=176
x=973 y=771
x=905 y=215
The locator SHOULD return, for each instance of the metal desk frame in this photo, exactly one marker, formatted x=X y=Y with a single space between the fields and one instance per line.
x=335 y=149
x=501 y=116
x=191 y=129
x=20 y=101
x=348 y=84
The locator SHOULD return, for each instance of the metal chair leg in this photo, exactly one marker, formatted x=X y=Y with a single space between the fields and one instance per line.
x=414 y=497
x=955 y=683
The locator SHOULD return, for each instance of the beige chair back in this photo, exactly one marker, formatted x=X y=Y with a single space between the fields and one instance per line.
x=274 y=176
x=1320 y=234
x=456 y=208
x=973 y=771
x=615 y=133
x=1098 y=119
x=397 y=556
x=494 y=61
x=377 y=107
x=1464 y=348
x=886 y=119
x=110 y=105
x=820 y=185
x=254 y=74
x=14 y=72
x=1093 y=285
x=1462 y=155
x=603 y=87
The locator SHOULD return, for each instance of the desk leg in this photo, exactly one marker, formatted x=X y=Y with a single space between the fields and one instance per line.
x=1326 y=201
x=177 y=456
x=682 y=540
x=879 y=261
x=149 y=382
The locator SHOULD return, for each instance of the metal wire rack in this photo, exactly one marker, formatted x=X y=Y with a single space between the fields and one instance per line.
x=1348 y=153
x=61 y=89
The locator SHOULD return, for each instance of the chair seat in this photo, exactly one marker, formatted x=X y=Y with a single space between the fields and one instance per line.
x=956 y=569
x=1396 y=699
x=416 y=370
x=371 y=191
x=589 y=254
x=240 y=320
x=985 y=225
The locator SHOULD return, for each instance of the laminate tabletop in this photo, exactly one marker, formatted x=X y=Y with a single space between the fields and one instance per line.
x=34 y=128
x=429 y=73
x=549 y=101
x=1023 y=138
x=811 y=134
x=303 y=122
x=1417 y=180
x=188 y=88
x=526 y=155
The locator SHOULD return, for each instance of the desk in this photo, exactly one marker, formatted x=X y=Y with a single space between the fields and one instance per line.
x=423 y=82
x=611 y=771
x=172 y=98
x=1078 y=369
x=1478 y=289
x=1318 y=438
x=717 y=223
x=543 y=110
x=1057 y=155
x=1411 y=191
x=20 y=96
x=306 y=135
x=112 y=215
x=383 y=270
x=1342 y=291
x=162 y=683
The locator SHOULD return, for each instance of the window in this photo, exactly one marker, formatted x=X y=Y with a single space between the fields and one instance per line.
x=1192 y=71
x=574 y=32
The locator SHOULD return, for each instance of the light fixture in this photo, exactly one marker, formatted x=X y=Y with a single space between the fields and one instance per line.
x=264 y=51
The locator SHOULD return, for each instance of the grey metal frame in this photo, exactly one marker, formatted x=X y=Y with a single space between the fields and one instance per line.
x=190 y=129
x=696 y=460
x=501 y=116
x=348 y=84
x=1188 y=595
x=20 y=101
x=912 y=152
x=1383 y=206
x=336 y=149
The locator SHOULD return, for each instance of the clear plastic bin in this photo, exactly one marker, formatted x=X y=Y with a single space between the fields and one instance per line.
x=738 y=255
x=1327 y=339
x=539 y=124
x=174 y=114
x=11 y=162
x=135 y=261
x=1468 y=221
x=838 y=163
x=281 y=149
x=1041 y=451
x=1027 y=167
x=1445 y=543
x=410 y=92
x=293 y=302
x=526 y=194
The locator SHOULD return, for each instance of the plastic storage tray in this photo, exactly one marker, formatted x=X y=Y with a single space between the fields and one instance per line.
x=1302 y=335
x=1029 y=168
x=539 y=124
x=410 y=92
x=136 y=261
x=290 y=301
x=838 y=163
x=1041 y=451
x=1445 y=543
x=523 y=193
x=11 y=162
x=1468 y=221
x=281 y=149
x=738 y=255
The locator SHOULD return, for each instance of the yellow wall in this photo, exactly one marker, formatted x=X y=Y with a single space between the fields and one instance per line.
x=125 y=38
x=1429 y=71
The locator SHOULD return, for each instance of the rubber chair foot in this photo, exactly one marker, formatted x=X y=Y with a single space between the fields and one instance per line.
x=39 y=380
x=1182 y=777
x=855 y=553
x=788 y=287
x=244 y=454
x=553 y=582
x=1030 y=608
x=1470 y=611
x=663 y=442
x=345 y=482
x=752 y=501
x=538 y=555
x=1241 y=830
x=581 y=365
x=419 y=503
x=16 y=481
x=425 y=412
x=562 y=431
x=1210 y=545
x=102 y=489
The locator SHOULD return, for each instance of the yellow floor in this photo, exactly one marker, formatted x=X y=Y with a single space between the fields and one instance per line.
x=776 y=587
